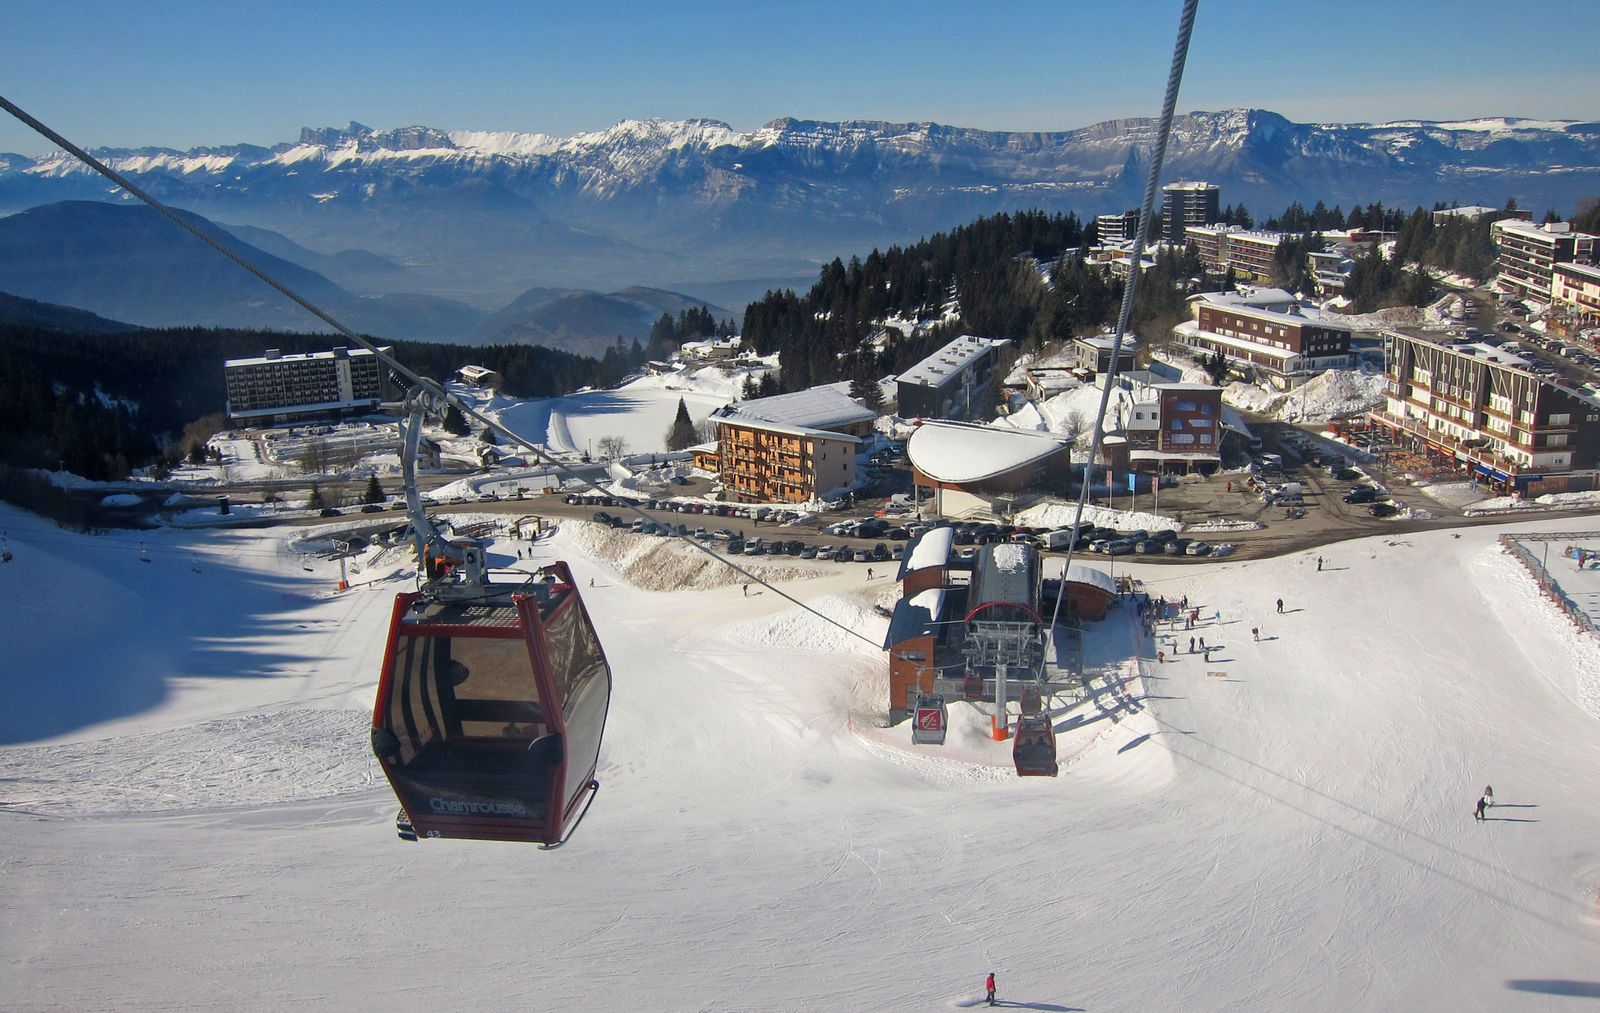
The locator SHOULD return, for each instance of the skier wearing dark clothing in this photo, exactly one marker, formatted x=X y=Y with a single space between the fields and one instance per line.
x=1319 y=564
x=1191 y=645
x=989 y=988
x=1280 y=606
x=1482 y=805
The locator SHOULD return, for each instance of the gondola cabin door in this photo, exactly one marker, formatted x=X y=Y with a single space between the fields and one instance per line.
x=929 y=721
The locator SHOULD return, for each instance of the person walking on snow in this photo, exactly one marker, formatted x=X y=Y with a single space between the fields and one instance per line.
x=1482 y=805
x=1255 y=632
x=1280 y=606
x=1191 y=645
x=869 y=573
x=988 y=987
x=1319 y=564
x=1488 y=795
x=1203 y=645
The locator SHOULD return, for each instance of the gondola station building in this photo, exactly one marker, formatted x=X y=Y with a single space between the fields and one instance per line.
x=985 y=471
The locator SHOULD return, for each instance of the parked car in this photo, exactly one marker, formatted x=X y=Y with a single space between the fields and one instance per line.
x=1176 y=547
x=1197 y=548
x=330 y=512
x=1361 y=494
x=372 y=508
x=1383 y=509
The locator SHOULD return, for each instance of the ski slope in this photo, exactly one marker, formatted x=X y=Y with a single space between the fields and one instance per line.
x=189 y=817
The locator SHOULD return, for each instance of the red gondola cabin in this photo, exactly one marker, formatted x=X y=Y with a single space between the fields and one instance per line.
x=490 y=710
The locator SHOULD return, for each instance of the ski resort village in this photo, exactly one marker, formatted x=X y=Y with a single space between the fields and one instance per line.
x=1248 y=664
x=791 y=563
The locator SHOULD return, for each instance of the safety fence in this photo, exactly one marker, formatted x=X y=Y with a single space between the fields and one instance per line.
x=1547 y=583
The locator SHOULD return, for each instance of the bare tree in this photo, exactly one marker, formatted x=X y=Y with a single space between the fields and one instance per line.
x=612 y=447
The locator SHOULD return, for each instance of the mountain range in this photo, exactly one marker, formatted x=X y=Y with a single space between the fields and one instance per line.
x=698 y=207
x=128 y=263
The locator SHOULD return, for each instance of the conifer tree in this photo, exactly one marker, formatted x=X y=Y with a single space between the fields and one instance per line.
x=374 y=493
x=680 y=435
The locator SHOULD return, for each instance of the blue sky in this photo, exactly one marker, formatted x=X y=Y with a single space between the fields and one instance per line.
x=179 y=73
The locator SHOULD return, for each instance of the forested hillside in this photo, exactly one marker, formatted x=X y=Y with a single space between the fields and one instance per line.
x=1018 y=276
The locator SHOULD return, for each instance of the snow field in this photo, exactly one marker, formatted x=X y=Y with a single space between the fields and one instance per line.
x=1286 y=827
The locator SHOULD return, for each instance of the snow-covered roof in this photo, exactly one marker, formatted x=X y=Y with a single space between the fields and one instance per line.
x=967 y=452
x=917 y=616
x=1105 y=342
x=778 y=427
x=1270 y=304
x=929 y=549
x=1191 y=185
x=261 y=360
x=1083 y=573
x=822 y=407
x=937 y=368
x=1589 y=271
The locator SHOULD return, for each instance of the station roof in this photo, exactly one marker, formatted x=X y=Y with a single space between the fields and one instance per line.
x=968 y=452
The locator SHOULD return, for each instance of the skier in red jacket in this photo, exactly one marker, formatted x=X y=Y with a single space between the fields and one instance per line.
x=989 y=985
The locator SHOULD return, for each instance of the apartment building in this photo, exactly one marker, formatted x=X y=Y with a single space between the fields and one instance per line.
x=275 y=387
x=949 y=383
x=1484 y=409
x=1246 y=253
x=1526 y=255
x=791 y=447
x=1267 y=331
x=1575 y=295
x=1187 y=204
x=1122 y=227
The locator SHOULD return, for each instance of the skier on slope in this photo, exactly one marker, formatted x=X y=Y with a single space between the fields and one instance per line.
x=1483 y=804
x=988 y=987
x=1280 y=606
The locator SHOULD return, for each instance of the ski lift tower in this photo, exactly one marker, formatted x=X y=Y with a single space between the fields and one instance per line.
x=1005 y=647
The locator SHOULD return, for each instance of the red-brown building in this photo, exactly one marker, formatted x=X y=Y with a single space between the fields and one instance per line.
x=1267 y=331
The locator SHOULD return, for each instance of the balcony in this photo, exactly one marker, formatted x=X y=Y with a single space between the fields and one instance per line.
x=1477 y=451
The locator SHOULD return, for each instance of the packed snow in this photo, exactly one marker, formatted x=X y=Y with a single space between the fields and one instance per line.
x=189 y=815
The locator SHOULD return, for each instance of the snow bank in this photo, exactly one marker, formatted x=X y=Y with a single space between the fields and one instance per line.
x=654 y=563
x=1060 y=515
x=1331 y=394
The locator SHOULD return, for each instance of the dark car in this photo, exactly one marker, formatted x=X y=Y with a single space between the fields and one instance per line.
x=330 y=512
x=1383 y=510
x=372 y=508
x=1175 y=547
x=1347 y=474
x=1361 y=494
x=880 y=551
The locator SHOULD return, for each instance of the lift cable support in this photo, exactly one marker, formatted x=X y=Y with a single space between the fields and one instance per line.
x=432 y=388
